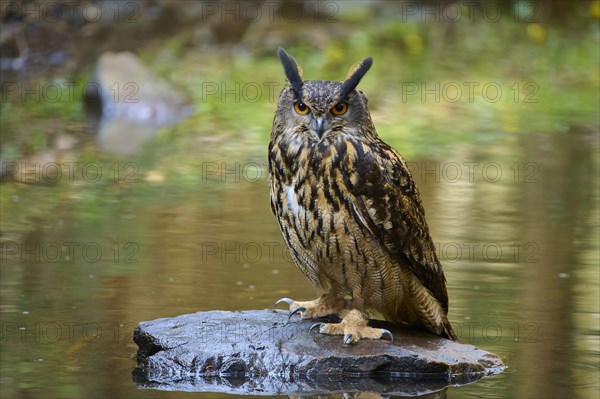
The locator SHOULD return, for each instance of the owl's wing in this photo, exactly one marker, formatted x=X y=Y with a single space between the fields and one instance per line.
x=389 y=206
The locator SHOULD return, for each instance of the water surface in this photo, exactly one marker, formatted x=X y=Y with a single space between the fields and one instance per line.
x=517 y=234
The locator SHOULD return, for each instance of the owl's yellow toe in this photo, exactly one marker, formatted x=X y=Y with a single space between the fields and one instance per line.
x=354 y=328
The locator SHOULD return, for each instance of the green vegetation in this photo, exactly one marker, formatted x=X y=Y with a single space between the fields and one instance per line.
x=450 y=81
x=432 y=84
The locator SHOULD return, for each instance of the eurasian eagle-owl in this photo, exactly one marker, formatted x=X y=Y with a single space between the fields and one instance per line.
x=350 y=212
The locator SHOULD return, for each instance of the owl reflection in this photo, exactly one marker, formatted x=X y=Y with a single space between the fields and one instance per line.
x=350 y=212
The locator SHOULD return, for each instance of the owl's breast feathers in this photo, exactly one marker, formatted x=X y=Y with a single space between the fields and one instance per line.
x=371 y=183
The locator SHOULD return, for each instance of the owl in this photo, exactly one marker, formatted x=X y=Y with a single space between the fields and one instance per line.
x=350 y=213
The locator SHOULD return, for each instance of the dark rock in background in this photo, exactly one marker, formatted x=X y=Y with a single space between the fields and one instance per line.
x=131 y=103
x=257 y=352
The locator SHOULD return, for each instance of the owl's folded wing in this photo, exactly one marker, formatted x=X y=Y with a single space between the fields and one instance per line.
x=388 y=204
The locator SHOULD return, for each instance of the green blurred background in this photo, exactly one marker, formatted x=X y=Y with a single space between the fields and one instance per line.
x=494 y=104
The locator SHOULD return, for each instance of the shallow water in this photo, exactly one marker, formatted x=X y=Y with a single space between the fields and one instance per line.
x=517 y=234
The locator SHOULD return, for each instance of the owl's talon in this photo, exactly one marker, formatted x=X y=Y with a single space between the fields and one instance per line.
x=320 y=307
x=286 y=300
x=387 y=333
x=315 y=326
x=354 y=327
x=297 y=310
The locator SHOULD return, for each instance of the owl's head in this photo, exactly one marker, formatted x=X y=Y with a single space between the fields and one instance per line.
x=319 y=110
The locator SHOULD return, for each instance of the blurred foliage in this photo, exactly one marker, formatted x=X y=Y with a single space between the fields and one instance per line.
x=546 y=71
x=547 y=74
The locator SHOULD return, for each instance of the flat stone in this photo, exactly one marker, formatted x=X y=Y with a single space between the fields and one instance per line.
x=259 y=352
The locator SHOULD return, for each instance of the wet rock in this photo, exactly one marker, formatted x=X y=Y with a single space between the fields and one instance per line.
x=257 y=352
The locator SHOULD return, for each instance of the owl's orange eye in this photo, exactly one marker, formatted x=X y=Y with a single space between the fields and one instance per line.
x=301 y=108
x=340 y=109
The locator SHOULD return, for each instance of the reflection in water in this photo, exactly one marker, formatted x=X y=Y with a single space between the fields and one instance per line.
x=555 y=211
x=122 y=136
x=67 y=320
x=368 y=395
x=318 y=387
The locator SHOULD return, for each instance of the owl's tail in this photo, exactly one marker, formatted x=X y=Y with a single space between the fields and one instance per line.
x=448 y=331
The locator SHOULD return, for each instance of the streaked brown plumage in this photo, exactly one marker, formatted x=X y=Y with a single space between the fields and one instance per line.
x=350 y=212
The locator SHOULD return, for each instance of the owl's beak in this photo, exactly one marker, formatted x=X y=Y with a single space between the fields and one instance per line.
x=320 y=126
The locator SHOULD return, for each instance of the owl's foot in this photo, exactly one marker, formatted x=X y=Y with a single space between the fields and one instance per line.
x=321 y=307
x=354 y=328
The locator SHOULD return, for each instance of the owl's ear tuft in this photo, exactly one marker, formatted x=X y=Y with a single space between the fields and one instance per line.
x=292 y=71
x=355 y=74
